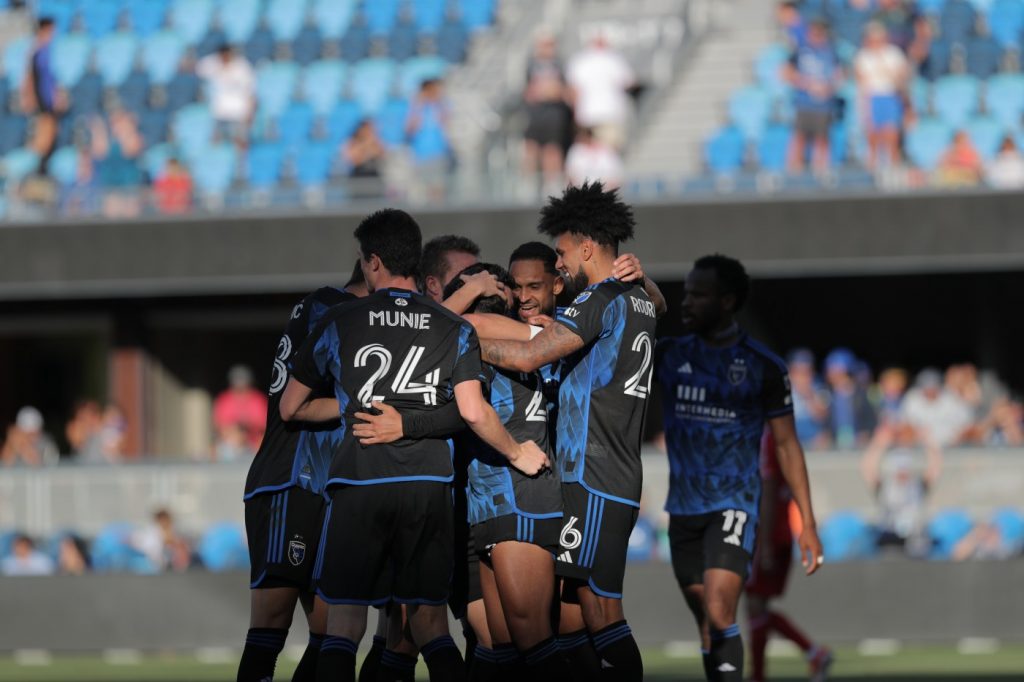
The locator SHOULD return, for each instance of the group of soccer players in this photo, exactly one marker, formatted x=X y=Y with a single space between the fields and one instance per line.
x=442 y=435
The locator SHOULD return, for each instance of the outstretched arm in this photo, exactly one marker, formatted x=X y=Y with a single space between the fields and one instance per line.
x=627 y=268
x=491 y=326
x=476 y=286
x=556 y=341
x=794 y=469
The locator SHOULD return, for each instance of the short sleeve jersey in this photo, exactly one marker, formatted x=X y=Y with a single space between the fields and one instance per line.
x=716 y=402
x=294 y=453
x=496 y=488
x=605 y=385
x=401 y=348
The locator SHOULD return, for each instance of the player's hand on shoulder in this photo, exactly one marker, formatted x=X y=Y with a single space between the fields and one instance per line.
x=375 y=429
x=627 y=268
x=530 y=459
x=811 y=554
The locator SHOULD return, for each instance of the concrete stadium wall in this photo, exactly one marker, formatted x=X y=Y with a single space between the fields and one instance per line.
x=902 y=600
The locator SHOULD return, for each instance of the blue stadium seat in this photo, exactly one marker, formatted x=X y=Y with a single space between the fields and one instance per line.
x=848 y=24
x=768 y=68
x=112 y=551
x=260 y=46
x=155 y=158
x=413 y=72
x=642 y=541
x=749 y=110
x=927 y=141
x=114 y=56
x=61 y=11
x=723 y=152
x=18 y=163
x=285 y=18
x=983 y=55
x=333 y=16
x=1004 y=99
x=323 y=83
x=838 y=143
x=947 y=528
x=342 y=121
x=182 y=89
x=213 y=168
x=355 y=44
x=932 y=8
x=70 y=57
x=294 y=124
x=476 y=14
x=275 y=85
x=986 y=133
x=12 y=132
x=429 y=14
x=263 y=165
x=161 y=54
x=452 y=39
x=919 y=91
x=313 y=163
x=939 y=57
x=16 y=56
x=153 y=125
x=390 y=122
x=86 y=96
x=239 y=19
x=307 y=46
x=100 y=17
x=955 y=99
x=63 y=166
x=845 y=535
x=1010 y=523
x=371 y=82
x=957 y=20
x=773 y=148
x=5 y=93
x=147 y=16
x=134 y=92
x=380 y=16
x=7 y=541
x=1006 y=21
x=191 y=19
x=403 y=41
x=193 y=129
x=211 y=41
x=223 y=548
x=981 y=6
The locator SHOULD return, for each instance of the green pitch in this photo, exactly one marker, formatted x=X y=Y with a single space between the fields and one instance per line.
x=909 y=665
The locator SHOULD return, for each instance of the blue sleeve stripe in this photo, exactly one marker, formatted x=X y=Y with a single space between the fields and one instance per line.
x=567 y=322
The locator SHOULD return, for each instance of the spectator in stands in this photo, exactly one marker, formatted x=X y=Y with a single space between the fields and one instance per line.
x=26 y=442
x=919 y=51
x=815 y=74
x=983 y=542
x=898 y=17
x=112 y=433
x=162 y=544
x=1006 y=425
x=600 y=79
x=548 y=116
x=173 y=190
x=427 y=131
x=882 y=72
x=892 y=385
x=938 y=417
x=232 y=93
x=82 y=196
x=792 y=23
x=1006 y=171
x=810 y=401
x=41 y=95
x=363 y=153
x=116 y=150
x=590 y=158
x=240 y=408
x=90 y=436
x=73 y=556
x=851 y=416
x=961 y=165
x=25 y=559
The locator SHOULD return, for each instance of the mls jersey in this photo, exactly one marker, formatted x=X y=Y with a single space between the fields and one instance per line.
x=604 y=390
x=496 y=488
x=716 y=402
x=400 y=348
x=295 y=453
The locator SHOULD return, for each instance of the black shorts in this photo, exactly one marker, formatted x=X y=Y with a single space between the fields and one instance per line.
x=594 y=540
x=466 y=574
x=547 y=123
x=517 y=528
x=283 y=529
x=813 y=123
x=722 y=539
x=387 y=542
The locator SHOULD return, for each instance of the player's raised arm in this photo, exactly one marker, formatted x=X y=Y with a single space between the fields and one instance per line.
x=555 y=342
x=627 y=268
x=477 y=285
x=500 y=327
x=794 y=469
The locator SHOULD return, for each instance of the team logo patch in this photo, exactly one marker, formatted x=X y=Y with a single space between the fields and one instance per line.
x=737 y=372
x=401 y=302
x=582 y=297
x=296 y=552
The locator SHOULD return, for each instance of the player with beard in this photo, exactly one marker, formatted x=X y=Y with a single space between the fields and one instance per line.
x=720 y=388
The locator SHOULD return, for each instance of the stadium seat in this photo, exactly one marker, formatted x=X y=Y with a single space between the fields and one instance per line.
x=239 y=19
x=134 y=92
x=343 y=120
x=986 y=133
x=723 y=152
x=927 y=141
x=294 y=124
x=147 y=16
x=1005 y=21
x=191 y=19
x=182 y=89
x=848 y=24
x=839 y=140
x=955 y=99
x=956 y=23
x=1004 y=99
x=114 y=57
x=642 y=541
x=333 y=16
x=12 y=132
x=413 y=72
x=260 y=46
x=355 y=44
x=983 y=55
x=18 y=163
x=63 y=166
x=86 y=96
x=947 y=528
x=476 y=15
x=371 y=82
x=403 y=41
x=161 y=54
x=5 y=93
x=380 y=16
x=275 y=85
x=211 y=41
x=16 y=56
x=749 y=110
x=429 y=15
x=112 y=551
x=61 y=11
x=263 y=165
x=390 y=122
x=153 y=125
x=155 y=158
x=307 y=46
x=100 y=17
x=939 y=57
x=768 y=68
x=223 y=548
x=932 y=8
x=981 y=6
x=773 y=147
x=285 y=18
x=845 y=535
x=323 y=83
x=213 y=168
x=919 y=91
x=7 y=541
x=70 y=57
x=1010 y=523
x=193 y=129
x=451 y=40
x=313 y=163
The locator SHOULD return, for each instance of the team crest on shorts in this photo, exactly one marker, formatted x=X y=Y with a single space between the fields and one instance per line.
x=737 y=372
x=296 y=552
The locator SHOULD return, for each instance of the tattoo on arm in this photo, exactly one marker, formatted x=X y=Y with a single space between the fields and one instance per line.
x=555 y=342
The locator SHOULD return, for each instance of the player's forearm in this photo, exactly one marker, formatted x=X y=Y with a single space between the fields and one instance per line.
x=440 y=423
x=513 y=355
x=769 y=491
x=794 y=469
x=498 y=327
x=486 y=424
x=318 y=410
x=657 y=298
x=460 y=301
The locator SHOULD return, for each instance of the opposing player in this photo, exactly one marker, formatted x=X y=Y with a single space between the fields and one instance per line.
x=607 y=336
x=719 y=389
x=399 y=347
x=770 y=571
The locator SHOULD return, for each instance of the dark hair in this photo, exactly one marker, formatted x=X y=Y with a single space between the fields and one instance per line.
x=357 y=276
x=433 y=262
x=731 y=275
x=44 y=22
x=395 y=237
x=588 y=211
x=484 y=304
x=536 y=251
x=223 y=47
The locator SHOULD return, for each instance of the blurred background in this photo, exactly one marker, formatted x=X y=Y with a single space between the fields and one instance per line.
x=177 y=174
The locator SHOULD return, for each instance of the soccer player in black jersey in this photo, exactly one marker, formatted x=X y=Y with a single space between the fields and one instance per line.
x=390 y=505
x=607 y=338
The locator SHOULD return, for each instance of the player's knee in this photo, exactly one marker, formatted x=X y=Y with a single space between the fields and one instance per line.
x=721 y=612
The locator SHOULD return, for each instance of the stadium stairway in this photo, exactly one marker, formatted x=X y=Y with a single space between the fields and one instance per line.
x=668 y=143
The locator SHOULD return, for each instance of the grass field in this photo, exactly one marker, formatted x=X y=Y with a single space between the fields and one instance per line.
x=909 y=665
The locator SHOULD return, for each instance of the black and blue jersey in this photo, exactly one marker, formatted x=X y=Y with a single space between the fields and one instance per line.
x=295 y=453
x=716 y=402
x=401 y=348
x=605 y=385
x=495 y=487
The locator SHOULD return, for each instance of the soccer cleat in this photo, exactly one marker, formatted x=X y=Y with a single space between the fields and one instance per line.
x=821 y=663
